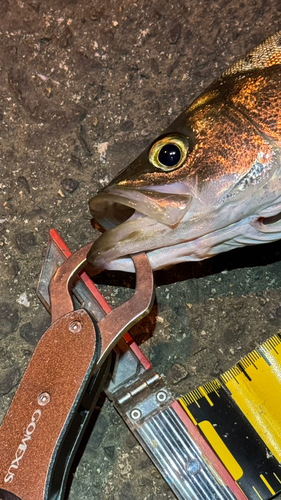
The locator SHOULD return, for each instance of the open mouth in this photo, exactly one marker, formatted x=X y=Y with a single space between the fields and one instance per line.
x=115 y=205
x=135 y=220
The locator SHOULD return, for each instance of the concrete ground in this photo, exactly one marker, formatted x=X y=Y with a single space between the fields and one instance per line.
x=85 y=85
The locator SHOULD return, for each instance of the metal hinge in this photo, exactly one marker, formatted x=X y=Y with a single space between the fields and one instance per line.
x=141 y=387
x=143 y=398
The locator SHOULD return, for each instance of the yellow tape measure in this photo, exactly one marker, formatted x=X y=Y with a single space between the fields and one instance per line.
x=239 y=414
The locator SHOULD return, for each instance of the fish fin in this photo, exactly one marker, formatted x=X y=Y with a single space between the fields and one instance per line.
x=264 y=55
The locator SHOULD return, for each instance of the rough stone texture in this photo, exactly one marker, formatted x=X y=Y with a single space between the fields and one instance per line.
x=85 y=85
x=9 y=319
x=9 y=378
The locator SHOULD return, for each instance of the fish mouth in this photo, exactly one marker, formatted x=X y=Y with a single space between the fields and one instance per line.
x=135 y=219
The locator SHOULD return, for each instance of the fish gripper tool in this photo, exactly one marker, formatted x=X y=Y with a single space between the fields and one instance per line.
x=53 y=404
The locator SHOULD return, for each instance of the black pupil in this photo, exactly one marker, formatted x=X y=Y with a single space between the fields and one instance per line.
x=169 y=155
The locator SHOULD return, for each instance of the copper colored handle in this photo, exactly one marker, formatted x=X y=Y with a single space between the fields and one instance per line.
x=41 y=410
x=119 y=320
x=61 y=301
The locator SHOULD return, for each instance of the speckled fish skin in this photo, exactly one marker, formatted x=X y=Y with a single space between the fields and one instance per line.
x=225 y=191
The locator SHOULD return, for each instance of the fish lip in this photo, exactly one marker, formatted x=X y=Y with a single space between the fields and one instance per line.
x=117 y=204
x=128 y=238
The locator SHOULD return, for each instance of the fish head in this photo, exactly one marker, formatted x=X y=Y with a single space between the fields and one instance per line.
x=200 y=188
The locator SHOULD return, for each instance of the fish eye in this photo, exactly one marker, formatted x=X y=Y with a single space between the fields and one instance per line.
x=169 y=153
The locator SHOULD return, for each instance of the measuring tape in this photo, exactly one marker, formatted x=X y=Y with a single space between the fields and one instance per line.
x=239 y=414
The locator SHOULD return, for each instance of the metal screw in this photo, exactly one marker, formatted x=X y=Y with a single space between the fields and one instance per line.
x=135 y=414
x=161 y=396
x=193 y=467
x=44 y=398
x=75 y=327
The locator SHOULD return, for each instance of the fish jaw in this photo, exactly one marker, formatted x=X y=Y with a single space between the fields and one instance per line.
x=115 y=245
x=135 y=220
x=214 y=221
x=111 y=251
x=243 y=233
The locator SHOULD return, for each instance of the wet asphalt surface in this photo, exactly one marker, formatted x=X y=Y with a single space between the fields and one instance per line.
x=85 y=86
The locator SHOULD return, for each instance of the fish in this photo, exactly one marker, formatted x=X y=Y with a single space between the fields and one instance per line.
x=209 y=183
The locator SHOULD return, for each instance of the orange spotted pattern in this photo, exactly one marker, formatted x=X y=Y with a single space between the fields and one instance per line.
x=233 y=124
